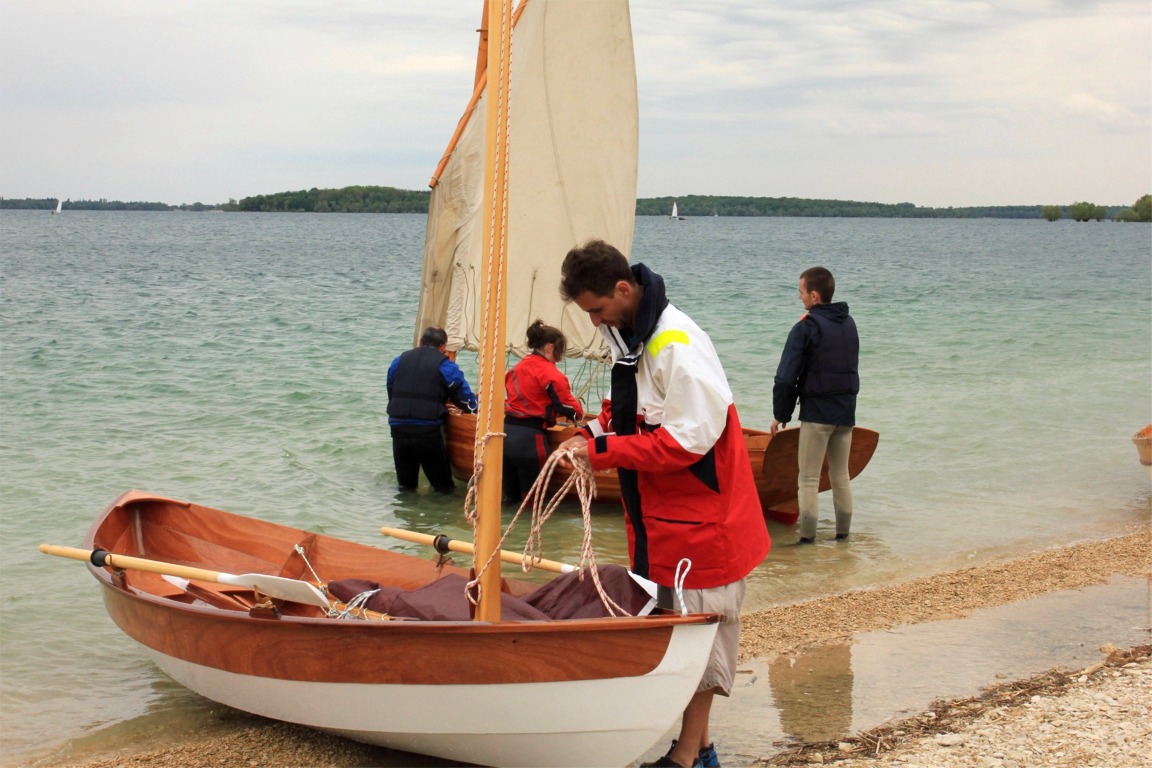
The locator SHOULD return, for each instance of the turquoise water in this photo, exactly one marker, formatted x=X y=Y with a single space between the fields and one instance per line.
x=239 y=361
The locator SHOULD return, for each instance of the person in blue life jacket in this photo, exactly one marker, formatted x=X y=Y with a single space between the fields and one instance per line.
x=421 y=382
x=820 y=367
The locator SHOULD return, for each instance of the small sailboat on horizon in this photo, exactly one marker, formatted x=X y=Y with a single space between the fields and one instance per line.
x=676 y=213
x=59 y=205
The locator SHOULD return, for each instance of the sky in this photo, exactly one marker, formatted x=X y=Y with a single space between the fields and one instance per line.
x=932 y=102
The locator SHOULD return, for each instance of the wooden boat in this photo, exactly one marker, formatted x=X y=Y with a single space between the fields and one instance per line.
x=775 y=463
x=1143 y=442
x=581 y=692
x=777 y=478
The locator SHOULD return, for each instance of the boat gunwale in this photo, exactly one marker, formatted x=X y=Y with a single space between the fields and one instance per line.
x=104 y=575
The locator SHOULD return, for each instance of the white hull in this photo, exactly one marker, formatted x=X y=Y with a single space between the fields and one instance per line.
x=578 y=723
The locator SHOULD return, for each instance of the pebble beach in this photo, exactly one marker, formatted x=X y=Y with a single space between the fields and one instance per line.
x=1097 y=716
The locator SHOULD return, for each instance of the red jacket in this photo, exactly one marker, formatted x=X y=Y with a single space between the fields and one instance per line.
x=687 y=483
x=536 y=388
x=722 y=532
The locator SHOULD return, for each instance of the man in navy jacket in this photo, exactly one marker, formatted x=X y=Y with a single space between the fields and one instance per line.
x=820 y=368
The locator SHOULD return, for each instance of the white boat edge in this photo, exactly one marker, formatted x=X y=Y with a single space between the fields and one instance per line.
x=606 y=722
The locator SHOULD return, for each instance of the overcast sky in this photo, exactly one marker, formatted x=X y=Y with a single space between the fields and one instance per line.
x=933 y=102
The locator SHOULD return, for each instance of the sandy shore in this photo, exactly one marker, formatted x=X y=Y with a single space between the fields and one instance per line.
x=787 y=629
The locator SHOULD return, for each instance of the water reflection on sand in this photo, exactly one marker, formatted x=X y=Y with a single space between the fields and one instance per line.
x=852 y=686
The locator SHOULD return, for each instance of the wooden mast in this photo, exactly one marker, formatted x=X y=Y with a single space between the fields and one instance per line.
x=482 y=49
x=490 y=423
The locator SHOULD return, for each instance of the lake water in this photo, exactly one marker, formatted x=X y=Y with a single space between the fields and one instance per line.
x=239 y=361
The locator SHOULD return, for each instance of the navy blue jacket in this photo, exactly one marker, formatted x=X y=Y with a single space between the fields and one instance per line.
x=420 y=382
x=819 y=367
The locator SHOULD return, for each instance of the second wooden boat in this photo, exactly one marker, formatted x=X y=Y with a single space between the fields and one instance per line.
x=774 y=461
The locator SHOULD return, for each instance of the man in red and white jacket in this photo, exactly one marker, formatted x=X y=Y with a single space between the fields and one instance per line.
x=672 y=432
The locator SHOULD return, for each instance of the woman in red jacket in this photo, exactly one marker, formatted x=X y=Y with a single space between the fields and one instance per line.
x=537 y=393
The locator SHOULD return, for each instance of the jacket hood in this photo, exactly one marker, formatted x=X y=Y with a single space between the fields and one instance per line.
x=837 y=311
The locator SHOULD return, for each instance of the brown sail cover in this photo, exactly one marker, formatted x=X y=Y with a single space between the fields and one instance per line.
x=565 y=597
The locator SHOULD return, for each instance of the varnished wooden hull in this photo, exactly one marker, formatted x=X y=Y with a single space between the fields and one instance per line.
x=584 y=692
x=775 y=471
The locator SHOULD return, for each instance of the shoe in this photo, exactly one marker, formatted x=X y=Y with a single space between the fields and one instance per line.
x=667 y=762
x=840 y=536
x=706 y=759
x=806 y=540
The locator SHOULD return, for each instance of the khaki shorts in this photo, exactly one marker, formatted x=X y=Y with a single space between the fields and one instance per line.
x=720 y=673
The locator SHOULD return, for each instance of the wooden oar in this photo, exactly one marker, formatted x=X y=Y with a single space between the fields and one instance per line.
x=443 y=543
x=293 y=590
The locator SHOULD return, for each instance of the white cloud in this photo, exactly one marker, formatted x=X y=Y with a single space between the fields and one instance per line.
x=933 y=102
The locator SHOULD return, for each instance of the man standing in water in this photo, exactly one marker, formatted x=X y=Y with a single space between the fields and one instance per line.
x=672 y=432
x=820 y=367
x=420 y=382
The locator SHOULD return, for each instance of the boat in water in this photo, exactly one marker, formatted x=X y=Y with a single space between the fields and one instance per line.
x=575 y=120
x=526 y=692
x=1143 y=441
x=775 y=463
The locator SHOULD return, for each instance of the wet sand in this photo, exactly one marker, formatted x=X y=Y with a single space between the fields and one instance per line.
x=238 y=739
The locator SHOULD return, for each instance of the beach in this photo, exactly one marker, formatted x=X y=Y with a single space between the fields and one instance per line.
x=1117 y=688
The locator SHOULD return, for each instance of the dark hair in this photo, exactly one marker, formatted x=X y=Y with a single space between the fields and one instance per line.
x=594 y=267
x=820 y=280
x=540 y=334
x=433 y=337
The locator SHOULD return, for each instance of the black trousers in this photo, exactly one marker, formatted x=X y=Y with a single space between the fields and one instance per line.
x=421 y=446
x=525 y=451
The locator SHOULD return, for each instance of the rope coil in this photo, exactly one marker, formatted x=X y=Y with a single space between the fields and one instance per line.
x=583 y=479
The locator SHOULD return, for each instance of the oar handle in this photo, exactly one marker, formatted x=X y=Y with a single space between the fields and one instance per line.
x=99 y=557
x=440 y=543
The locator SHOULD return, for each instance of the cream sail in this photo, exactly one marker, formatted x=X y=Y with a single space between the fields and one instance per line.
x=574 y=126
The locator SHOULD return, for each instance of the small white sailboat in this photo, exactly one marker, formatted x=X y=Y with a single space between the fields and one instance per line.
x=676 y=212
x=59 y=205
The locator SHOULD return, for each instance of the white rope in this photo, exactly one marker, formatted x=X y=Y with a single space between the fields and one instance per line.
x=300 y=551
x=678 y=582
x=470 y=499
x=354 y=608
x=584 y=481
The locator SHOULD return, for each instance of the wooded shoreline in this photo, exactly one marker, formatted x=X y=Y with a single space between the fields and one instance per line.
x=375 y=199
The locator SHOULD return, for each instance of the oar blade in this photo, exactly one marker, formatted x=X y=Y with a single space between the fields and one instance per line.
x=292 y=590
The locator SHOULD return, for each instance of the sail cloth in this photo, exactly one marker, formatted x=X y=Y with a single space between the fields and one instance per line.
x=574 y=143
x=570 y=596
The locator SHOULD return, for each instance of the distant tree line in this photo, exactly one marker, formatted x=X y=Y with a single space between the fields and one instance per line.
x=369 y=199
x=697 y=205
x=49 y=204
x=346 y=200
